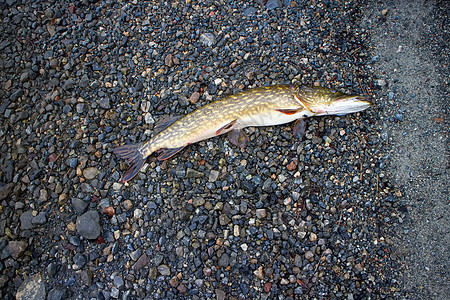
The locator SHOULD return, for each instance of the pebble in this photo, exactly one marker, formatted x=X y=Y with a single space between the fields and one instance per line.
x=141 y=262
x=16 y=248
x=57 y=294
x=26 y=220
x=88 y=225
x=39 y=219
x=91 y=173
x=79 y=261
x=79 y=205
x=164 y=270
x=261 y=213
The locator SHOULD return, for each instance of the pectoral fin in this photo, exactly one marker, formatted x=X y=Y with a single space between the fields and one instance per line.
x=227 y=126
x=238 y=138
x=299 y=128
x=164 y=123
x=289 y=111
x=169 y=152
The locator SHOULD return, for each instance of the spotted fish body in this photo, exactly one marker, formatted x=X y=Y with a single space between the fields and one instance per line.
x=265 y=106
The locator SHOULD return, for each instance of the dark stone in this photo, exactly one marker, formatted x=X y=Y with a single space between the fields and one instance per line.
x=26 y=220
x=88 y=225
x=79 y=206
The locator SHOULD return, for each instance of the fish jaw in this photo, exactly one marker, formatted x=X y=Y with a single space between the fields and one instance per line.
x=340 y=106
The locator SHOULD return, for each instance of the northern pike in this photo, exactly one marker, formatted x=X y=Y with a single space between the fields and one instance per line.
x=264 y=106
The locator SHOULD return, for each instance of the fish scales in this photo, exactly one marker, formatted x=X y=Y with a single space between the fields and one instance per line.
x=262 y=106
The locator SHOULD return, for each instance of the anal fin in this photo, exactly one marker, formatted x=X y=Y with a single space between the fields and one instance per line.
x=238 y=138
x=227 y=126
x=169 y=152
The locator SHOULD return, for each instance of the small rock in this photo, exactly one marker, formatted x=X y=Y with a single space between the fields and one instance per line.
x=26 y=220
x=261 y=213
x=43 y=195
x=79 y=261
x=164 y=270
x=6 y=190
x=249 y=11
x=80 y=108
x=168 y=60
x=90 y=173
x=191 y=173
x=194 y=97
x=88 y=225
x=224 y=260
x=79 y=205
x=224 y=220
x=213 y=175
x=141 y=262
x=220 y=295
x=16 y=248
x=272 y=4
x=39 y=219
x=33 y=288
x=56 y=294
x=86 y=277
x=135 y=255
x=104 y=103
x=259 y=273
x=312 y=237
x=118 y=281
x=181 y=288
x=309 y=255
x=207 y=39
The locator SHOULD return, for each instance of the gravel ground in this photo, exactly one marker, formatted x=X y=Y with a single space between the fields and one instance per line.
x=327 y=217
x=412 y=44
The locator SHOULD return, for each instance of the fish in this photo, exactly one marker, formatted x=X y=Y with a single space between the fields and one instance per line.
x=262 y=106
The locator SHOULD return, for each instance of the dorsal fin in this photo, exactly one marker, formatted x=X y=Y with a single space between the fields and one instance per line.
x=164 y=123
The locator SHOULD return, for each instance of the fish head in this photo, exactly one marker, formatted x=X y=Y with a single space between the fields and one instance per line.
x=323 y=101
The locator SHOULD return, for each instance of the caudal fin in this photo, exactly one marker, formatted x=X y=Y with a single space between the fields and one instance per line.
x=135 y=158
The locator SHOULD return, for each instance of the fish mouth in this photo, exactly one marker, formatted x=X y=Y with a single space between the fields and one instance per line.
x=343 y=106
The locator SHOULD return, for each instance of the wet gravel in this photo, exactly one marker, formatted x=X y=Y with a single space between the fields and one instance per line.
x=281 y=219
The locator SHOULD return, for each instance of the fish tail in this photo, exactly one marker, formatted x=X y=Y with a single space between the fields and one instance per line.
x=135 y=156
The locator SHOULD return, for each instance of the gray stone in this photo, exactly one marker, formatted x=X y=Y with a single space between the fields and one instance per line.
x=39 y=219
x=90 y=173
x=56 y=294
x=164 y=270
x=26 y=220
x=224 y=260
x=16 y=248
x=88 y=225
x=141 y=262
x=79 y=205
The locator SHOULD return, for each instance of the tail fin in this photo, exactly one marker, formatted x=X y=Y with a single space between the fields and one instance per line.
x=135 y=158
